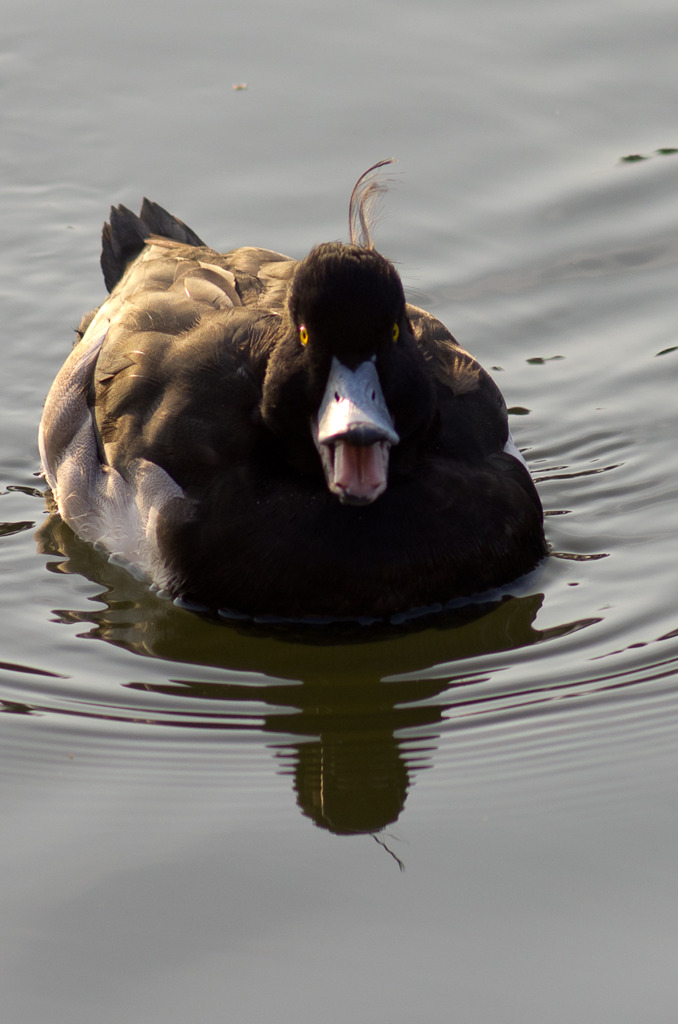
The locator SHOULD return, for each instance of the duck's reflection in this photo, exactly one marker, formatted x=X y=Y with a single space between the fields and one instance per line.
x=351 y=782
x=356 y=711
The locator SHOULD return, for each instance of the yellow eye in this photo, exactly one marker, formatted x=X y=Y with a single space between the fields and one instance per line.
x=396 y=332
x=303 y=335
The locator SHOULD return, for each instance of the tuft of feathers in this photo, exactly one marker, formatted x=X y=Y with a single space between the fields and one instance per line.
x=362 y=210
x=126 y=235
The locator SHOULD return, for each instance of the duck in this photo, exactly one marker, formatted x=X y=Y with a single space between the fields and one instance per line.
x=263 y=436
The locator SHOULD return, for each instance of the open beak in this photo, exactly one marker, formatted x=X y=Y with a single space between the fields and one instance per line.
x=354 y=433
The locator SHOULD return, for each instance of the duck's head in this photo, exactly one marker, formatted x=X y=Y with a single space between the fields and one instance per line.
x=347 y=374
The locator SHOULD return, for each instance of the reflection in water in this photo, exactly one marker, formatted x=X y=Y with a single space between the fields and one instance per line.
x=10 y=528
x=137 y=619
x=351 y=762
x=354 y=708
x=14 y=707
x=351 y=782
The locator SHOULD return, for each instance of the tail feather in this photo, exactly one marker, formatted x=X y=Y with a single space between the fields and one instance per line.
x=125 y=235
x=160 y=222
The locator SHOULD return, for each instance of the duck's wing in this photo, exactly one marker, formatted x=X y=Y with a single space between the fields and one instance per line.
x=262 y=276
x=184 y=340
x=168 y=370
x=178 y=378
x=473 y=420
x=259 y=277
x=160 y=395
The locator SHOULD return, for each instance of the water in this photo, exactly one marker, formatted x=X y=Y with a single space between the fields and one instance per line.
x=470 y=820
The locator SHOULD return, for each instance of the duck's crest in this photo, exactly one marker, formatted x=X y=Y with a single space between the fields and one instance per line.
x=365 y=197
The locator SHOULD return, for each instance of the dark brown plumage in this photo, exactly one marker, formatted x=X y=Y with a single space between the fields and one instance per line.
x=188 y=433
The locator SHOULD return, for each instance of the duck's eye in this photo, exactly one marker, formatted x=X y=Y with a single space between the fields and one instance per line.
x=396 y=332
x=303 y=335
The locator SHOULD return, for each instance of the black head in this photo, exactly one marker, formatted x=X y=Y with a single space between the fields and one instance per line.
x=345 y=302
x=350 y=301
x=346 y=381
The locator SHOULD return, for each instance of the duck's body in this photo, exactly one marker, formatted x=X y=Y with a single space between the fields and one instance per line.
x=269 y=436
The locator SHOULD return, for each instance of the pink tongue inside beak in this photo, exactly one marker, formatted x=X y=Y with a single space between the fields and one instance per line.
x=360 y=471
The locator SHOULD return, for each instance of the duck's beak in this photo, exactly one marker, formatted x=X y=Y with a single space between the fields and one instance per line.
x=354 y=432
